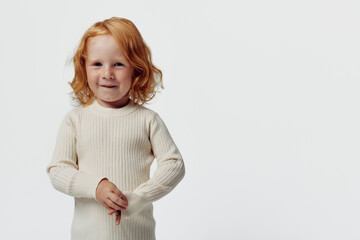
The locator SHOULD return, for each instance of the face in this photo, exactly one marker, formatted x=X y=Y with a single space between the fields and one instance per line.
x=108 y=72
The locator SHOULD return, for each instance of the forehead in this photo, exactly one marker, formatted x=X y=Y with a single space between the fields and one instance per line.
x=103 y=45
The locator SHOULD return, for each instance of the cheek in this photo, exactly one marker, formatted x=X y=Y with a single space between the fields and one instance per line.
x=91 y=77
x=125 y=76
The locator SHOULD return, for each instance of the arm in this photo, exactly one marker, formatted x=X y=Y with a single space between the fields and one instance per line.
x=169 y=172
x=63 y=170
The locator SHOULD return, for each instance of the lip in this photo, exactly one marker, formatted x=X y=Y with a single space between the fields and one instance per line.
x=108 y=86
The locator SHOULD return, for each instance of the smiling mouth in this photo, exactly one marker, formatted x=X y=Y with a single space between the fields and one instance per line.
x=108 y=86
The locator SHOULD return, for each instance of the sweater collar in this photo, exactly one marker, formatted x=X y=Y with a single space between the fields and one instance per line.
x=113 y=112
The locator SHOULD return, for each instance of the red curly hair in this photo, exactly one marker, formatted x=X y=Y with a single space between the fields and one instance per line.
x=146 y=77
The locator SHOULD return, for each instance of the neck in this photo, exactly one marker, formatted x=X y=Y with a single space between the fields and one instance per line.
x=117 y=104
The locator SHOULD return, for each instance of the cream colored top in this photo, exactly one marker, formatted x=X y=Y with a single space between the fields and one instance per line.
x=96 y=142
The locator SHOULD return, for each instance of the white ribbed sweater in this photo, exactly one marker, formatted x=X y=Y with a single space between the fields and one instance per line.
x=96 y=142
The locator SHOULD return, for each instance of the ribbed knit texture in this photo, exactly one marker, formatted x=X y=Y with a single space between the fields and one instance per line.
x=120 y=144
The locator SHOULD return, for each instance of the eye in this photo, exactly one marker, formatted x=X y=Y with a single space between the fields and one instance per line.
x=97 y=64
x=118 y=64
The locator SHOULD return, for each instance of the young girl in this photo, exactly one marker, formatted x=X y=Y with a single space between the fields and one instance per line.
x=104 y=149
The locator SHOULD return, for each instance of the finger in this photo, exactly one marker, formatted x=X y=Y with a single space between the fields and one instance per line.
x=117 y=212
x=124 y=198
x=118 y=200
x=112 y=211
x=115 y=206
x=118 y=217
x=120 y=194
x=117 y=192
x=107 y=206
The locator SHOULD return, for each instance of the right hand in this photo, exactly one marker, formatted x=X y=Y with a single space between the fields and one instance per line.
x=110 y=196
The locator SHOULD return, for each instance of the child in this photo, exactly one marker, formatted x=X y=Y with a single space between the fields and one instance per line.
x=104 y=149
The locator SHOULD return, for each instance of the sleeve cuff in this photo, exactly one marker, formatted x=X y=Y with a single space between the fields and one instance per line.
x=86 y=185
x=136 y=202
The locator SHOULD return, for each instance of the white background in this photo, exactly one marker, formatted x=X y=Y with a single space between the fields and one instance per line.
x=261 y=97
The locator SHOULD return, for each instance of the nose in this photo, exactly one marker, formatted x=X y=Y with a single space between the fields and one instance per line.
x=108 y=73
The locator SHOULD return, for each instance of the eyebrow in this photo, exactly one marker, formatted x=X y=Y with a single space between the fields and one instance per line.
x=98 y=60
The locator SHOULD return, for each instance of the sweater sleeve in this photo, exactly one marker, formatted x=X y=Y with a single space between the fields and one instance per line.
x=63 y=170
x=169 y=172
